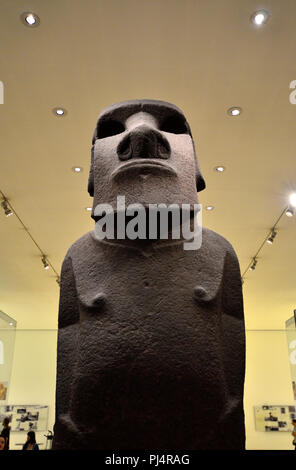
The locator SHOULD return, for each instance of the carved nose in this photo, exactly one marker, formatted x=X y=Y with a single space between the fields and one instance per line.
x=143 y=142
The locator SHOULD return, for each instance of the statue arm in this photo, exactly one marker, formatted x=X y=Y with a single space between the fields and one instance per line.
x=67 y=337
x=233 y=346
x=232 y=299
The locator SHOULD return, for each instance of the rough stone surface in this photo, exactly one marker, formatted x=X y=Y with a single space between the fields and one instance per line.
x=151 y=343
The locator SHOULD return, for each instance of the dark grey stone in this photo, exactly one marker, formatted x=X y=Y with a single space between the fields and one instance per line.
x=151 y=342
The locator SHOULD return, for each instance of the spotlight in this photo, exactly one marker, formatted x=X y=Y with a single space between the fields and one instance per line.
x=88 y=209
x=59 y=112
x=271 y=237
x=260 y=17
x=7 y=210
x=77 y=169
x=30 y=19
x=290 y=211
x=209 y=208
x=253 y=265
x=293 y=199
x=44 y=262
x=220 y=169
x=234 y=111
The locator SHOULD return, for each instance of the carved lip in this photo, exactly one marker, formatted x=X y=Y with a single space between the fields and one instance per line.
x=144 y=163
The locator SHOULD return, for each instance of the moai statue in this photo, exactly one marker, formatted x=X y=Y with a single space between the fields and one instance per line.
x=151 y=341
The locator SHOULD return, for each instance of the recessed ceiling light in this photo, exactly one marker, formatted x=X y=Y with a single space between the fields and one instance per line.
x=260 y=17
x=30 y=19
x=77 y=169
x=10 y=324
x=209 y=208
x=88 y=208
x=59 y=111
x=220 y=169
x=234 y=111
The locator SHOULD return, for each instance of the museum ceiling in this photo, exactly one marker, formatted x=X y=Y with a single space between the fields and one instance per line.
x=204 y=56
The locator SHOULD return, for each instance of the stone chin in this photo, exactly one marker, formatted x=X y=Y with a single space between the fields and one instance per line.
x=145 y=184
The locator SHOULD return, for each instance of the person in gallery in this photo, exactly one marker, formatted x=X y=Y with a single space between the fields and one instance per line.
x=31 y=442
x=2 y=443
x=3 y=391
x=294 y=433
x=6 y=432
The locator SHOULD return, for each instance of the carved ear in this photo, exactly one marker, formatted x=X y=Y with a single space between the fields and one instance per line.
x=90 y=186
x=200 y=182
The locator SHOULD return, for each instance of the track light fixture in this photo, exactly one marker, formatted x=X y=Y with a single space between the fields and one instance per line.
x=253 y=265
x=272 y=236
x=290 y=211
x=7 y=210
x=44 y=262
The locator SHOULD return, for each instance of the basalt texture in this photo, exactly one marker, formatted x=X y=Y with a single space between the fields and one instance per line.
x=151 y=342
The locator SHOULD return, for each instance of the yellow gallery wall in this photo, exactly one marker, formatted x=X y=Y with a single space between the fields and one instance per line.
x=33 y=376
x=268 y=381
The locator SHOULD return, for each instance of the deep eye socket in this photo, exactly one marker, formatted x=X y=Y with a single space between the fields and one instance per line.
x=175 y=125
x=109 y=128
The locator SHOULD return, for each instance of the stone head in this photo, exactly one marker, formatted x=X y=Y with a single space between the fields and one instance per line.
x=143 y=150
